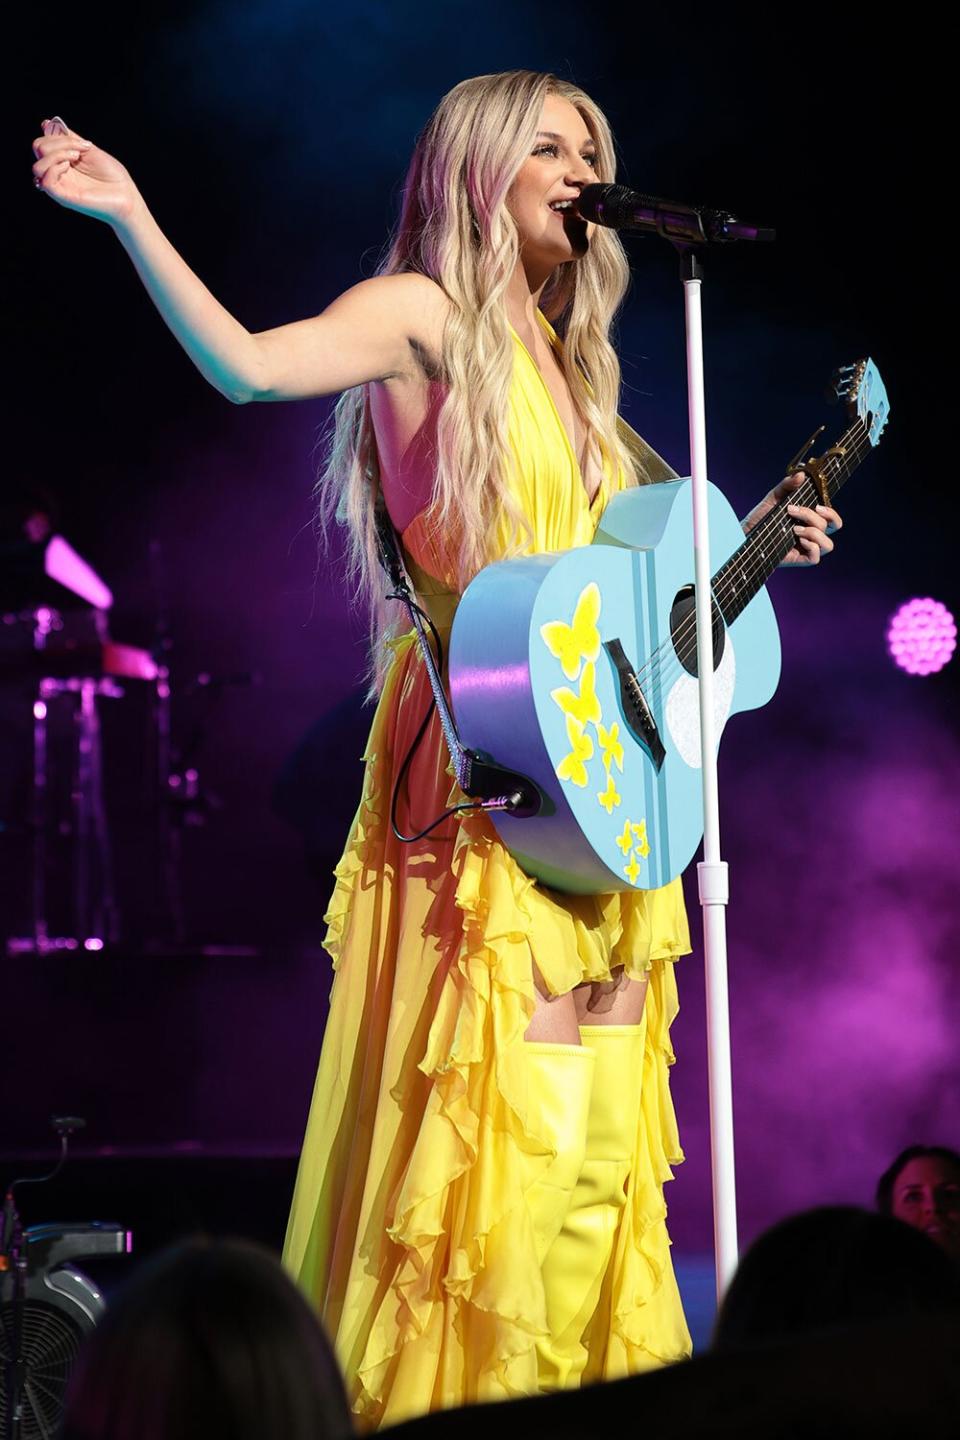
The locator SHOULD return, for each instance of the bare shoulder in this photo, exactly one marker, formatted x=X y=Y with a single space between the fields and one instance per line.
x=410 y=288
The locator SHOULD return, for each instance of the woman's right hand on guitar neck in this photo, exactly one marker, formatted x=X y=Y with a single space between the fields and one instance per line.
x=80 y=176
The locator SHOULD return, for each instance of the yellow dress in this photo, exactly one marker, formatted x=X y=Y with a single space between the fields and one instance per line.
x=409 y=1230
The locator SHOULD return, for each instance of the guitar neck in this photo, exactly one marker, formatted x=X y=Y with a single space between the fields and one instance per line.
x=750 y=567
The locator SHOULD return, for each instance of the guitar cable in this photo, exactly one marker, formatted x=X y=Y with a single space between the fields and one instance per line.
x=513 y=793
x=401 y=774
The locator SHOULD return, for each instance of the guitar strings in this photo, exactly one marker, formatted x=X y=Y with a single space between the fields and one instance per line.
x=773 y=521
x=667 y=657
x=665 y=660
x=665 y=663
x=655 y=670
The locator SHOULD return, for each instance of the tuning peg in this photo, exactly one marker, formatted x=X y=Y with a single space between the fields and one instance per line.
x=840 y=383
x=848 y=379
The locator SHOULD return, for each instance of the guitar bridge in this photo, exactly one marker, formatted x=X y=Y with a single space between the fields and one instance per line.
x=636 y=712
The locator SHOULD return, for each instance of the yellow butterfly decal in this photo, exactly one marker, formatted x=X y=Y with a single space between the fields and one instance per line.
x=584 y=707
x=572 y=644
x=610 y=797
x=610 y=746
x=641 y=843
x=632 y=870
x=625 y=841
x=573 y=766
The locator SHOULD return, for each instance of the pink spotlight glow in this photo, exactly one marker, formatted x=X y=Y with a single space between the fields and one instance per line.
x=921 y=636
x=39 y=710
x=63 y=564
x=93 y=943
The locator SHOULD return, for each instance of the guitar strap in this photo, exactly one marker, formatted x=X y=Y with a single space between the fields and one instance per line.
x=649 y=466
x=495 y=787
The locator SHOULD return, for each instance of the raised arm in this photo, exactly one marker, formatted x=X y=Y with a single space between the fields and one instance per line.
x=365 y=334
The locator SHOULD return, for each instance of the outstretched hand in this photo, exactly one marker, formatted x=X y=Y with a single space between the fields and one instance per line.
x=812 y=526
x=78 y=175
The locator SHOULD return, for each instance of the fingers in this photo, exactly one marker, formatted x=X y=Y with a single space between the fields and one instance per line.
x=822 y=517
x=783 y=489
x=45 y=145
x=792 y=482
x=52 y=177
x=806 y=550
x=59 y=160
x=810 y=515
x=48 y=173
x=832 y=518
x=55 y=155
x=812 y=537
x=814 y=524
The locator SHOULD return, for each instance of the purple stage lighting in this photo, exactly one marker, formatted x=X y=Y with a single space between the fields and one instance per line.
x=921 y=636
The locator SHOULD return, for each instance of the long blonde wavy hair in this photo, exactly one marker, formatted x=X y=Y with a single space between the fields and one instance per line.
x=455 y=228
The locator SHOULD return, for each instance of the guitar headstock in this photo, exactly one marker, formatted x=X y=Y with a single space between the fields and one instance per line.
x=863 y=392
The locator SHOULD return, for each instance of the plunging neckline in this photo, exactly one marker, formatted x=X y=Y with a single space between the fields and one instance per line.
x=559 y=418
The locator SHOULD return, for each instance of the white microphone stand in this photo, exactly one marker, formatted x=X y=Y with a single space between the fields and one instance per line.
x=712 y=870
x=688 y=229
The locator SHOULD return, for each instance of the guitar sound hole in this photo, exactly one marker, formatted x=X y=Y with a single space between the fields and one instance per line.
x=683 y=629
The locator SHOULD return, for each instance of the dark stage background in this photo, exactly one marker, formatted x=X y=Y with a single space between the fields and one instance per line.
x=270 y=140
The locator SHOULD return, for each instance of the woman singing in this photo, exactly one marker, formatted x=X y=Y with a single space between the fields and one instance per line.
x=479 y=1207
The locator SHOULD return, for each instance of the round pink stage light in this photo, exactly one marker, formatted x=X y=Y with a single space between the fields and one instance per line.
x=921 y=636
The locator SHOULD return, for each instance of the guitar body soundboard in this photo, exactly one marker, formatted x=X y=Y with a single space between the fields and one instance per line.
x=541 y=658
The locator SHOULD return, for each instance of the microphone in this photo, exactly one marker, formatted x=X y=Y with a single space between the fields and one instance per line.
x=622 y=209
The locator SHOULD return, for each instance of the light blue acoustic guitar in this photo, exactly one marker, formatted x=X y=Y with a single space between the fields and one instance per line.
x=578 y=670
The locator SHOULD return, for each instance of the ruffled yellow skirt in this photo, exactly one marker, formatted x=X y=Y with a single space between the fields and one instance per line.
x=409 y=1230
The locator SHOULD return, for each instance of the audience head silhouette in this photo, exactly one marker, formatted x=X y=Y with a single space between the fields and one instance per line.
x=830 y=1268
x=213 y=1340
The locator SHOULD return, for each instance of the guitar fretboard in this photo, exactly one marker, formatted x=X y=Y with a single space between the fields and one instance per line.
x=740 y=579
